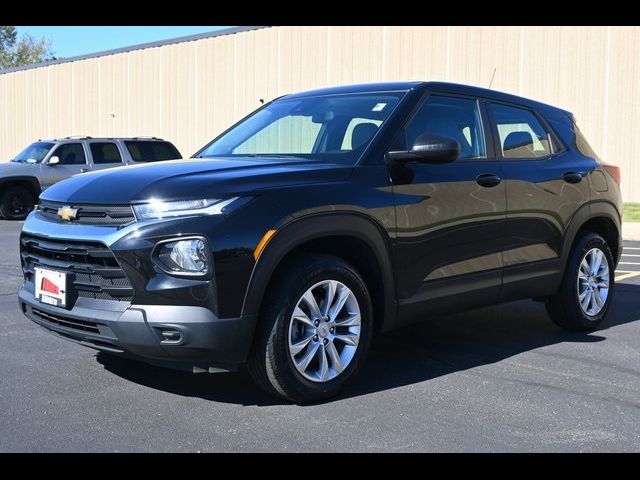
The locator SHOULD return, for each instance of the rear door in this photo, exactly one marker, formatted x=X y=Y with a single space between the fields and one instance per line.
x=450 y=217
x=545 y=187
x=105 y=154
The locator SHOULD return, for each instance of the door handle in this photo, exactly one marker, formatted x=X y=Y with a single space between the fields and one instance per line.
x=488 y=180
x=572 y=177
x=84 y=170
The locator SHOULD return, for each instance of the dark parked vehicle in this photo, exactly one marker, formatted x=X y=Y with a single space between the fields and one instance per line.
x=46 y=162
x=321 y=218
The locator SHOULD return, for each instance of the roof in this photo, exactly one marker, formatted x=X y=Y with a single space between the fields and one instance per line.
x=438 y=86
x=359 y=88
x=141 y=46
x=490 y=94
x=106 y=139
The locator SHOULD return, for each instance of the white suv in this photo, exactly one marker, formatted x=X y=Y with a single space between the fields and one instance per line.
x=46 y=162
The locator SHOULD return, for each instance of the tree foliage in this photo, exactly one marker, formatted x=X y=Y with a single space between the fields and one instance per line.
x=16 y=50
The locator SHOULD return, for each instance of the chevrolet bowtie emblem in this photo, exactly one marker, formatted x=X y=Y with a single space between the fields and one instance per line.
x=67 y=213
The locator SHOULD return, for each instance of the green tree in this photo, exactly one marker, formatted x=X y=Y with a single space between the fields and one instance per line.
x=22 y=50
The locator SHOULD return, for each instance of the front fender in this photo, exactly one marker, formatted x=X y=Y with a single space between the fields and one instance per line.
x=28 y=179
x=313 y=227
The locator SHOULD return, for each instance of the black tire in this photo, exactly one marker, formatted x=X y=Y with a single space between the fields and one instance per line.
x=564 y=307
x=16 y=203
x=270 y=364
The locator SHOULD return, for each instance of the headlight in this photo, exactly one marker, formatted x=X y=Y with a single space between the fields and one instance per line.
x=160 y=209
x=184 y=257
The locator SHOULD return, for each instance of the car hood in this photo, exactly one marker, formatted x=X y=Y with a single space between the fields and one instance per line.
x=194 y=178
x=18 y=168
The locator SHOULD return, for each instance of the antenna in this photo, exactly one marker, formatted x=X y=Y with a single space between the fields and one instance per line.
x=493 y=75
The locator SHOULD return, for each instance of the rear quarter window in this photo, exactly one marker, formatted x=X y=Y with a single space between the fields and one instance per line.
x=151 y=151
x=583 y=145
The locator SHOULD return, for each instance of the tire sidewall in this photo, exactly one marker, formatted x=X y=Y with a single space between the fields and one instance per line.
x=586 y=244
x=295 y=384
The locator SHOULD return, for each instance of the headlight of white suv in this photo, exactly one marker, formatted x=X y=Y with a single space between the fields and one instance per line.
x=180 y=208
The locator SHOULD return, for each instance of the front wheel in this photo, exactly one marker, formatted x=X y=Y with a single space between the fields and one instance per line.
x=16 y=203
x=315 y=330
x=585 y=294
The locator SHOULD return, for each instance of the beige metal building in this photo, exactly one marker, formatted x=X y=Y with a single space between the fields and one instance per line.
x=189 y=89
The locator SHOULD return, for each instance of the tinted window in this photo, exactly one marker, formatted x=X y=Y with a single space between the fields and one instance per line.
x=70 y=154
x=151 y=151
x=583 y=145
x=452 y=117
x=331 y=128
x=521 y=133
x=358 y=131
x=105 y=153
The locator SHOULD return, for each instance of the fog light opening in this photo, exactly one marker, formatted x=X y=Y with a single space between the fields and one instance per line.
x=170 y=336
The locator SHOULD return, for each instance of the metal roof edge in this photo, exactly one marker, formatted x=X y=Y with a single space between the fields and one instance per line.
x=141 y=46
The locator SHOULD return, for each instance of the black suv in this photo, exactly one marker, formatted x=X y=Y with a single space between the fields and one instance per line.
x=320 y=218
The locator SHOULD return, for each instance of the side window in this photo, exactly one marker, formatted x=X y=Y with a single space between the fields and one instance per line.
x=70 y=154
x=292 y=134
x=583 y=145
x=452 y=117
x=105 y=152
x=520 y=132
x=359 y=131
x=151 y=150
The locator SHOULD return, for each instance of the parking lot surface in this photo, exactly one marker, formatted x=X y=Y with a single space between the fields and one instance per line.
x=497 y=379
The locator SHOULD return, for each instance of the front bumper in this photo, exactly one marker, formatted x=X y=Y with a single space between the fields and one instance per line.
x=182 y=337
x=168 y=321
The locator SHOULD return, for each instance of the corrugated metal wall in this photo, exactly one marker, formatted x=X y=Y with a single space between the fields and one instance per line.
x=188 y=92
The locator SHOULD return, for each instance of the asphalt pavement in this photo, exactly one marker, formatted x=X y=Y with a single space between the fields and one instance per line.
x=497 y=379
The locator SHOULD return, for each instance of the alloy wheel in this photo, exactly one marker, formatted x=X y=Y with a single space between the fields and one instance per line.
x=324 y=331
x=593 y=282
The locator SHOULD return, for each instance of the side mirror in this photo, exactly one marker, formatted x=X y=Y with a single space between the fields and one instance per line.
x=55 y=160
x=429 y=148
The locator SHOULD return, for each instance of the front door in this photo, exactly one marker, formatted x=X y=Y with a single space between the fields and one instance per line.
x=450 y=217
x=72 y=160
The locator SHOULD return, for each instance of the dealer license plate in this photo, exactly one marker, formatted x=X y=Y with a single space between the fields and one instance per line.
x=51 y=287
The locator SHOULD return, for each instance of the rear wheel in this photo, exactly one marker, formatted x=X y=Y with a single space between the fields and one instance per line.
x=16 y=203
x=315 y=330
x=584 y=297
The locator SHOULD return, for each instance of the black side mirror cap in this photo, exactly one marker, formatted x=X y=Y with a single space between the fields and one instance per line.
x=429 y=148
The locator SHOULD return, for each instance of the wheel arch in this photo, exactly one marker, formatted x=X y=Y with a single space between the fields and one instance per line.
x=600 y=217
x=339 y=234
x=31 y=183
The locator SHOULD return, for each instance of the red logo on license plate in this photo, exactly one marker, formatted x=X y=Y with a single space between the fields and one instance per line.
x=49 y=287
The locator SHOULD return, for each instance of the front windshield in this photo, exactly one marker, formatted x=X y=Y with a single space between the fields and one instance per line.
x=34 y=153
x=330 y=128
